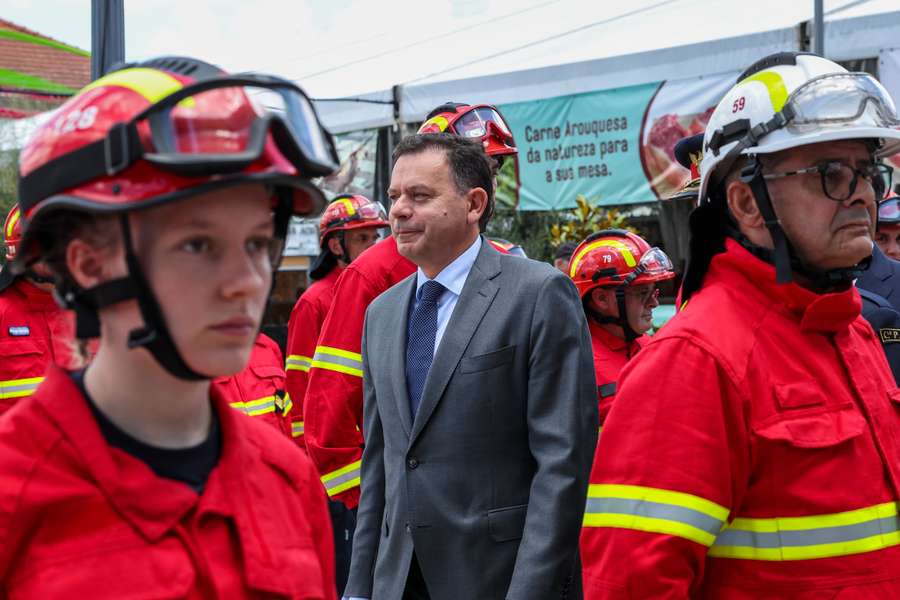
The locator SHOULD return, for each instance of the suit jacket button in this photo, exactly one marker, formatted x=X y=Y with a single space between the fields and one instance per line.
x=412 y=463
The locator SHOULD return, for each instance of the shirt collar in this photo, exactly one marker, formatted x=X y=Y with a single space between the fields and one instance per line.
x=453 y=276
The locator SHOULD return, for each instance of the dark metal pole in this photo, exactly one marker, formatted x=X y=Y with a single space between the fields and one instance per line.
x=107 y=35
x=819 y=28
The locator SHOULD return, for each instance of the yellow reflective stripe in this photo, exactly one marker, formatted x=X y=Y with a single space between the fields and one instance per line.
x=298 y=362
x=348 y=205
x=335 y=359
x=338 y=352
x=152 y=84
x=296 y=428
x=778 y=93
x=804 y=538
x=343 y=479
x=439 y=120
x=19 y=388
x=622 y=248
x=14 y=218
x=654 y=510
x=255 y=408
x=288 y=404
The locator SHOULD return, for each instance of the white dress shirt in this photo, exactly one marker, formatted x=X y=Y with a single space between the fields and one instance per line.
x=453 y=278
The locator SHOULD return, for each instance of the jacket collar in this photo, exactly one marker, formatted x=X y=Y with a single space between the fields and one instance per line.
x=36 y=298
x=610 y=341
x=151 y=504
x=827 y=313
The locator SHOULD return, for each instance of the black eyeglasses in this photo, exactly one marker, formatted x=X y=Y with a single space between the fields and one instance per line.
x=839 y=179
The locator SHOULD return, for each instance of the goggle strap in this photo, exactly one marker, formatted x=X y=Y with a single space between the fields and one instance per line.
x=117 y=151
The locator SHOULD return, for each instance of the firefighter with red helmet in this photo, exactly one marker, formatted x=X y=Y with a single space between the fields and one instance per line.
x=616 y=273
x=159 y=197
x=333 y=404
x=349 y=226
x=753 y=449
x=34 y=330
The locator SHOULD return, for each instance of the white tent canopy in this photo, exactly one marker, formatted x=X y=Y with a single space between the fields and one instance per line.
x=853 y=32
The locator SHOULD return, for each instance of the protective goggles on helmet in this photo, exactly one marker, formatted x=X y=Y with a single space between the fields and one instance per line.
x=889 y=211
x=653 y=264
x=474 y=122
x=212 y=127
x=841 y=99
x=366 y=212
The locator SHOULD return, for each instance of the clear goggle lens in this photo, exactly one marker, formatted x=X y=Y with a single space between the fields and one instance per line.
x=655 y=262
x=889 y=210
x=842 y=100
x=476 y=123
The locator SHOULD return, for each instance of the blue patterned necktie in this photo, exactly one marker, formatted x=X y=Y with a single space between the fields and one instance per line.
x=420 y=338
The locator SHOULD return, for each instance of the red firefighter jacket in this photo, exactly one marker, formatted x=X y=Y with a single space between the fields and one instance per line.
x=34 y=333
x=611 y=353
x=753 y=451
x=259 y=390
x=304 y=326
x=81 y=519
x=333 y=404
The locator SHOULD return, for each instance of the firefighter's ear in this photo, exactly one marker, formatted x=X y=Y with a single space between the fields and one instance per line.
x=743 y=208
x=90 y=264
x=334 y=246
x=601 y=301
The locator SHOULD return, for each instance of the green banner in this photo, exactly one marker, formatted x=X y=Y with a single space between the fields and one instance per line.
x=611 y=146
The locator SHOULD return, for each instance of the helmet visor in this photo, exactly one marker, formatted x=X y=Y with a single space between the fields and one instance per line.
x=479 y=121
x=228 y=120
x=654 y=263
x=841 y=100
x=372 y=211
x=889 y=211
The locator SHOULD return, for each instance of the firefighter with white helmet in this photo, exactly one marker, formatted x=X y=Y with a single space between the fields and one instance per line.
x=753 y=449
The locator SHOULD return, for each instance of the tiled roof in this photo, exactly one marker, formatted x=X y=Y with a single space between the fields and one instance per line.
x=33 y=62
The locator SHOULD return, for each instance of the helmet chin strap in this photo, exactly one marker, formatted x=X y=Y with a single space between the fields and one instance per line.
x=783 y=255
x=154 y=334
x=622 y=320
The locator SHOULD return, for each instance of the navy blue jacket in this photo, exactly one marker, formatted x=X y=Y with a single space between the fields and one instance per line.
x=885 y=320
x=882 y=277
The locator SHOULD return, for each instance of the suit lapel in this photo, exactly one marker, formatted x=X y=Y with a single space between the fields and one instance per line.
x=474 y=301
x=397 y=359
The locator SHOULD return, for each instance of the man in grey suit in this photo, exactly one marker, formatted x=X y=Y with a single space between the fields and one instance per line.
x=480 y=403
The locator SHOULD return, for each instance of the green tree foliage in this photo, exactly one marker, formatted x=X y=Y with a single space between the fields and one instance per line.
x=586 y=218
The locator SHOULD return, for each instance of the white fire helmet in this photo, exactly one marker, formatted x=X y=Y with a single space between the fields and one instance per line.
x=791 y=100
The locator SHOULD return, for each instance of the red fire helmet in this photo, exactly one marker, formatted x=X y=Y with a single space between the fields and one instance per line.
x=350 y=211
x=12 y=233
x=479 y=121
x=615 y=257
x=171 y=128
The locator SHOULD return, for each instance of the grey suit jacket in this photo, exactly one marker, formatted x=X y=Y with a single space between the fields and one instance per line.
x=488 y=483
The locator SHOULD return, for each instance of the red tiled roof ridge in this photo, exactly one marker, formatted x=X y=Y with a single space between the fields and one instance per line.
x=4 y=23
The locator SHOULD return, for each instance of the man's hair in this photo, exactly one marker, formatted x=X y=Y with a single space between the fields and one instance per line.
x=470 y=166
